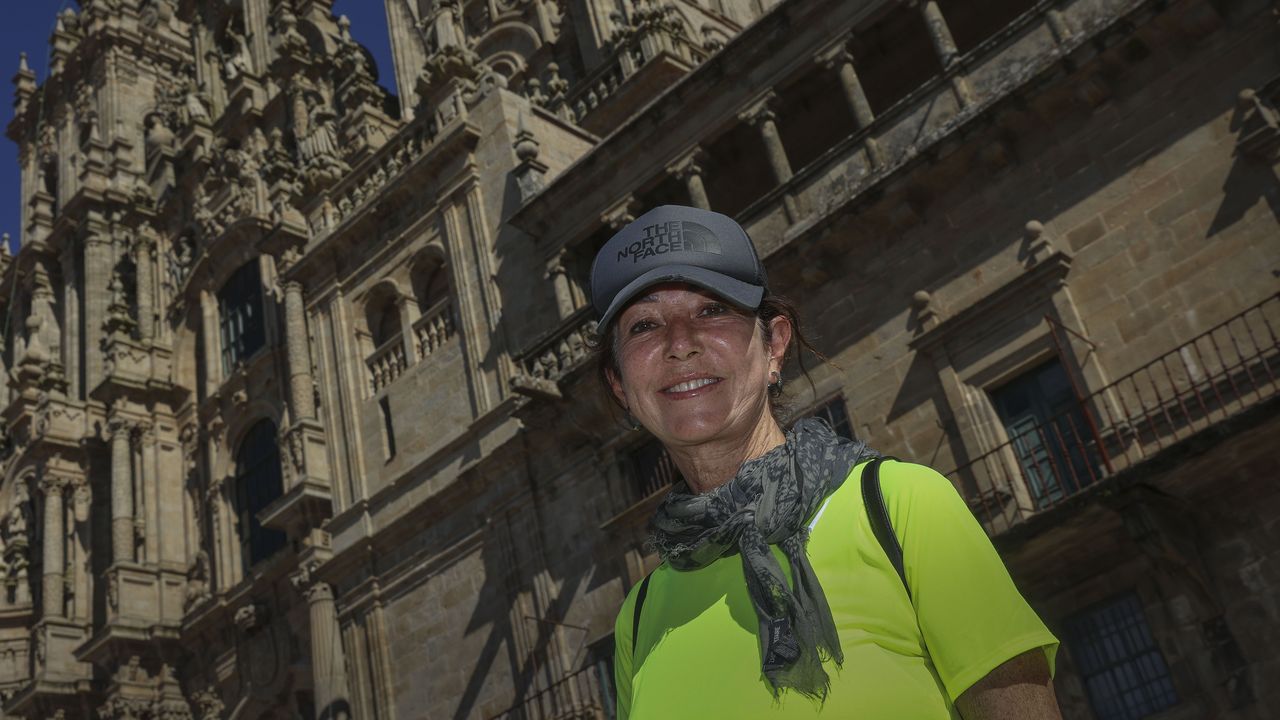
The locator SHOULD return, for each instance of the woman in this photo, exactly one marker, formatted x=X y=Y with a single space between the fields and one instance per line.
x=774 y=597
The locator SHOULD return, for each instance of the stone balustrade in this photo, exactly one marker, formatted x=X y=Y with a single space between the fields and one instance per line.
x=387 y=363
x=917 y=126
x=556 y=355
x=429 y=334
x=433 y=329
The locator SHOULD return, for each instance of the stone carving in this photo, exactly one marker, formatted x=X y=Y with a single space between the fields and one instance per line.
x=178 y=258
x=118 y=708
x=198 y=581
x=113 y=592
x=14 y=540
x=235 y=62
x=251 y=617
x=315 y=137
x=81 y=498
x=208 y=704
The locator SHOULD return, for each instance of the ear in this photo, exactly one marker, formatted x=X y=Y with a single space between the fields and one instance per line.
x=615 y=384
x=779 y=340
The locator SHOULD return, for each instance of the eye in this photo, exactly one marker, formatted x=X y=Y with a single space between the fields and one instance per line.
x=714 y=308
x=640 y=326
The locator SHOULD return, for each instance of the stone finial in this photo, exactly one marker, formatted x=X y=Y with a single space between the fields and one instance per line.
x=1038 y=244
x=526 y=144
x=1244 y=100
x=925 y=309
x=5 y=250
x=22 y=63
x=344 y=28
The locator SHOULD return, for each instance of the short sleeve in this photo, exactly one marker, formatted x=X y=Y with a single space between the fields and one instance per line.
x=971 y=615
x=623 y=649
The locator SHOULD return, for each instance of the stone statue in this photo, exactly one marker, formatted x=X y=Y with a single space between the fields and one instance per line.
x=197 y=581
x=235 y=63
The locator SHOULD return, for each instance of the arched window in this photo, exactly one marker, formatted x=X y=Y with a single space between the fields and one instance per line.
x=384 y=320
x=258 y=484
x=430 y=284
x=240 y=315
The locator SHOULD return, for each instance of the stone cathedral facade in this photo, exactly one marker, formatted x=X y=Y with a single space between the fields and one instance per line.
x=300 y=420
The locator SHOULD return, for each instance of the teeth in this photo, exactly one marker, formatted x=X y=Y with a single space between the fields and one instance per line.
x=691 y=385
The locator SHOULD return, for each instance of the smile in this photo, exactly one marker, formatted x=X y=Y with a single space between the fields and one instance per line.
x=691 y=385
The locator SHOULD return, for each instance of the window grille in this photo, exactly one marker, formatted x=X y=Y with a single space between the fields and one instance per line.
x=1123 y=672
x=258 y=484
x=1048 y=433
x=834 y=412
x=652 y=469
x=240 y=316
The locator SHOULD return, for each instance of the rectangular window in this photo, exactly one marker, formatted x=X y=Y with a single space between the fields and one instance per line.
x=600 y=656
x=1048 y=433
x=652 y=470
x=834 y=412
x=240 y=316
x=1123 y=672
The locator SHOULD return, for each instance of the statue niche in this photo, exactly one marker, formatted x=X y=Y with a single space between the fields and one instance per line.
x=316 y=138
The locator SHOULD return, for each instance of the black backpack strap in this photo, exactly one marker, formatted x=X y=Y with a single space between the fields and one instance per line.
x=635 y=616
x=878 y=514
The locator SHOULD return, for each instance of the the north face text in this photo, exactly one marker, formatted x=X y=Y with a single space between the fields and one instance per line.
x=671 y=237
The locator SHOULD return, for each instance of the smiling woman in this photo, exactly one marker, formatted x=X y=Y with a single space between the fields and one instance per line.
x=754 y=594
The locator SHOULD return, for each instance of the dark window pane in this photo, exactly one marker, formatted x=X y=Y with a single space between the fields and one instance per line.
x=258 y=484
x=833 y=411
x=1122 y=670
x=240 y=316
x=652 y=469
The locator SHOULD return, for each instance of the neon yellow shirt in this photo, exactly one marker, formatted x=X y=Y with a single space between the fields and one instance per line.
x=698 y=655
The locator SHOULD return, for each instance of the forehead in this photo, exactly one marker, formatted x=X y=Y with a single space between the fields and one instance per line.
x=673 y=293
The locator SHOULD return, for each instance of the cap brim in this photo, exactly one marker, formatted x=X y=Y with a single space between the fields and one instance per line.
x=737 y=292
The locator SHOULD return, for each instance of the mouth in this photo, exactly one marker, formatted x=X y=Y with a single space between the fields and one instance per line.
x=689 y=386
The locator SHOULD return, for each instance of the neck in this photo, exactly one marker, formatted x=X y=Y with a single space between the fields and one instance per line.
x=709 y=465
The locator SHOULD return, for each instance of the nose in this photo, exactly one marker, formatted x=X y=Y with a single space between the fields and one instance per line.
x=682 y=340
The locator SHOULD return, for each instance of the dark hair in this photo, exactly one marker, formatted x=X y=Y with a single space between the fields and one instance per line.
x=605 y=344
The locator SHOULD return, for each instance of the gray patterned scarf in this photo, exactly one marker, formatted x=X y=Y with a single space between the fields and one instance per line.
x=769 y=502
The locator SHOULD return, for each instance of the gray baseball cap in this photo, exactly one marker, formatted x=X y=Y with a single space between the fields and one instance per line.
x=674 y=243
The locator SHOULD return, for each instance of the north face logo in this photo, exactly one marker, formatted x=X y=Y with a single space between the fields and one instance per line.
x=672 y=237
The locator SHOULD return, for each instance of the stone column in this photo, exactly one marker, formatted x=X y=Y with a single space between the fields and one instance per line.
x=54 y=557
x=146 y=287
x=328 y=664
x=301 y=397
x=946 y=48
x=689 y=170
x=763 y=117
x=559 y=276
x=209 y=336
x=840 y=60
x=121 y=492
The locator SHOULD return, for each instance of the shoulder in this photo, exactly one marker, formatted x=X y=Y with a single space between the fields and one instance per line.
x=911 y=479
x=916 y=494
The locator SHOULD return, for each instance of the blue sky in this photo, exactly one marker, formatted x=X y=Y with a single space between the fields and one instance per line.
x=27 y=26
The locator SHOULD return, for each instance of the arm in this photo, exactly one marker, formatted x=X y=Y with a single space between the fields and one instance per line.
x=1019 y=689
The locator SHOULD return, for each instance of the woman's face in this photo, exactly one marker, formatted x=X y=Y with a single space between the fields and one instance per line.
x=694 y=368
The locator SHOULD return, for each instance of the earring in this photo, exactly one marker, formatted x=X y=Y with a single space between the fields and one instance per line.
x=775 y=387
x=631 y=420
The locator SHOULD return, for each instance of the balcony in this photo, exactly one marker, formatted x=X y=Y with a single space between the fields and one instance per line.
x=387 y=363
x=1215 y=376
x=580 y=696
x=429 y=334
x=555 y=355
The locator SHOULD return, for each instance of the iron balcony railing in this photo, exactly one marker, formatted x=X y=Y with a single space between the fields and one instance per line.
x=1231 y=367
